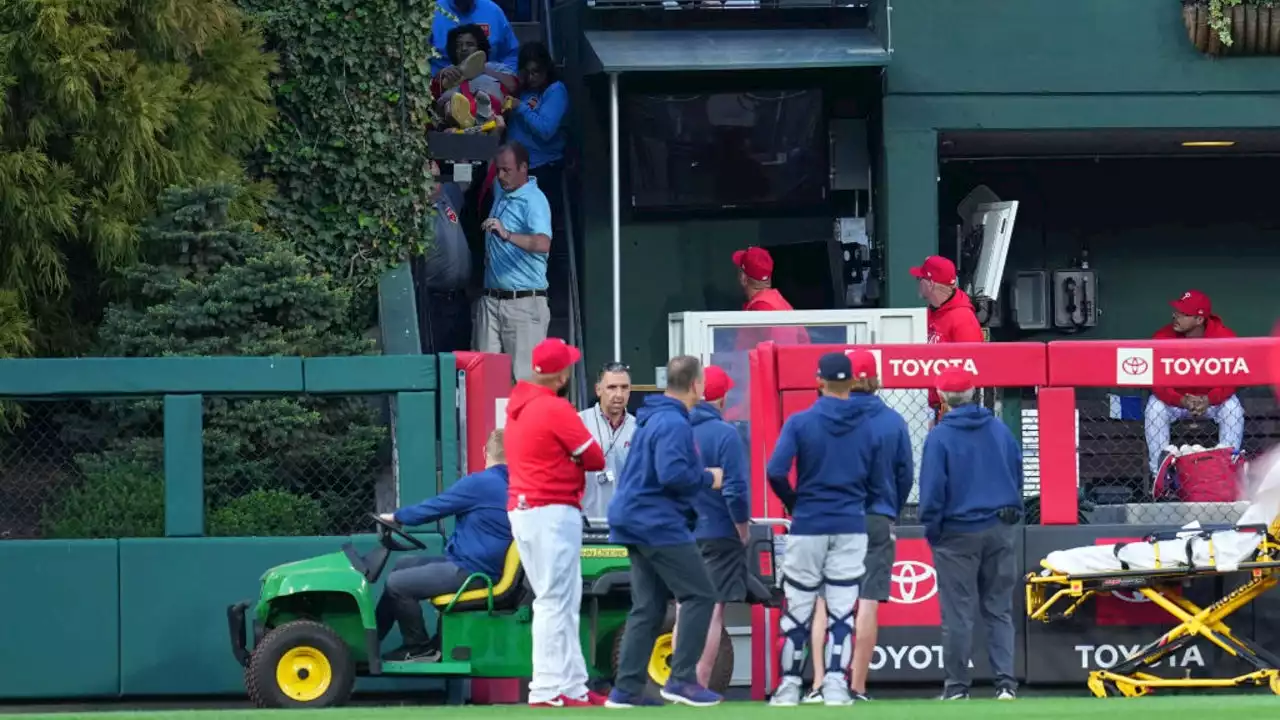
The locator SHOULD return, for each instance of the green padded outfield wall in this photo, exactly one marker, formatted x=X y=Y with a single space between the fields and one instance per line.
x=147 y=616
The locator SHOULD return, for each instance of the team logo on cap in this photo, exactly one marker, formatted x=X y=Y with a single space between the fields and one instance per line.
x=1186 y=295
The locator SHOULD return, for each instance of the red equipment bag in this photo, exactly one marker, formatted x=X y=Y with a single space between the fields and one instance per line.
x=1206 y=476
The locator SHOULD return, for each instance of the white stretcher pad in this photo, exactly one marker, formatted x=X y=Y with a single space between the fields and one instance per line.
x=1230 y=548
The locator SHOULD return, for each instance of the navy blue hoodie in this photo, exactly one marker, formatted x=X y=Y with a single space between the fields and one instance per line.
x=653 y=503
x=895 y=466
x=720 y=446
x=971 y=468
x=833 y=445
x=483 y=532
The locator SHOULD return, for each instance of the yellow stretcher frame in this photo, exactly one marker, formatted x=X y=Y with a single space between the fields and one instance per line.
x=1128 y=678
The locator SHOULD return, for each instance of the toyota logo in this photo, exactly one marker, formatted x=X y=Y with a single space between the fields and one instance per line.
x=1134 y=366
x=912 y=582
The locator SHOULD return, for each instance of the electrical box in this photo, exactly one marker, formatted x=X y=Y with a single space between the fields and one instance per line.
x=1075 y=299
x=1031 y=300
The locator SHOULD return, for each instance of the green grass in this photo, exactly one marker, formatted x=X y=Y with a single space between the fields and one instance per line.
x=1202 y=707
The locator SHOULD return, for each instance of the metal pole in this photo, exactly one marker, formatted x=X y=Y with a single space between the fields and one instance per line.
x=616 y=188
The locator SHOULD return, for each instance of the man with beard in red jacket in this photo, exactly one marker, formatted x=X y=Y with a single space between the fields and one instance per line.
x=1192 y=318
x=549 y=451
x=951 y=315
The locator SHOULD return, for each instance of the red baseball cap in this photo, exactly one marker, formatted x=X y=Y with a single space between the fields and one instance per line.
x=1193 y=302
x=553 y=355
x=937 y=269
x=954 y=379
x=756 y=262
x=716 y=383
x=863 y=364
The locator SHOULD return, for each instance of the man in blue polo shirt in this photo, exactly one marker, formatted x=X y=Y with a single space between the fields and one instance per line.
x=479 y=544
x=512 y=315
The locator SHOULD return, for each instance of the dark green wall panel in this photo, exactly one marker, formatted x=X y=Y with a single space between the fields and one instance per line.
x=1058 y=46
x=61 y=619
x=173 y=599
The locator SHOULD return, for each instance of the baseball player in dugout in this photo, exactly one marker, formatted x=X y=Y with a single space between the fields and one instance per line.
x=970 y=499
x=832 y=446
x=1192 y=318
x=951 y=316
x=549 y=451
x=652 y=514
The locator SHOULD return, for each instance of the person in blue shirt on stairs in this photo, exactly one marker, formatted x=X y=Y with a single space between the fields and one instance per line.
x=970 y=499
x=724 y=515
x=478 y=545
x=652 y=515
x=486 y=14
x=833 y=445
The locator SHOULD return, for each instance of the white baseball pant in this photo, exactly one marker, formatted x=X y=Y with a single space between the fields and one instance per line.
x=549 y=539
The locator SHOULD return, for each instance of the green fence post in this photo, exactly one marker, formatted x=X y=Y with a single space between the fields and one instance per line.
x=415 y=430
x=183 y=465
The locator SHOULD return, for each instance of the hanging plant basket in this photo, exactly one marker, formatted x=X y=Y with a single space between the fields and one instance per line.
x=1233 y=27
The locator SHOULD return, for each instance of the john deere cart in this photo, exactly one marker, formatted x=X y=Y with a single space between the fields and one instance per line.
x=311 y=631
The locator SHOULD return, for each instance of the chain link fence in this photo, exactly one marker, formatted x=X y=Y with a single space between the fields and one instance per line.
x=302 y=465
x=62 y=474
x=1124 y=438
x=305 y=465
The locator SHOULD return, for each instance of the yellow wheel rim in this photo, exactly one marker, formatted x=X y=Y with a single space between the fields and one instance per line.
x=660 y=659
x=304 y=674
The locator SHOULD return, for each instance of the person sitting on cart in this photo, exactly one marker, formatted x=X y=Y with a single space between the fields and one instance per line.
x=478 y=545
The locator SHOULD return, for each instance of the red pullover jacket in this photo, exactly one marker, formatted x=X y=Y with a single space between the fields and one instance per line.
x=953 y=322
x=548 y=449
x=1213 y=328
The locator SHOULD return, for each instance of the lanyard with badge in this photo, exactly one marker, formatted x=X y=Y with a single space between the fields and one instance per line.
x=606 y=476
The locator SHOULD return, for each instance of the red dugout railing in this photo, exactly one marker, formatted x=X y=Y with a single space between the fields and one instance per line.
x=782 y=382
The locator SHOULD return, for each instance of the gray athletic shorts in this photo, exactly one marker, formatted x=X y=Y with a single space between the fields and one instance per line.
x=880 y=554
x=726 y=561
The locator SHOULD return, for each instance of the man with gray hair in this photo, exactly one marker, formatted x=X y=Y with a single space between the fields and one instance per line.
x=970 y=499
x=613 y=428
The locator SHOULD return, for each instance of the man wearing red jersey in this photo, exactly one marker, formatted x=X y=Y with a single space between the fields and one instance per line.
x=1192 y=318
x=951 y=316
x=755 y=275
x=549 y=450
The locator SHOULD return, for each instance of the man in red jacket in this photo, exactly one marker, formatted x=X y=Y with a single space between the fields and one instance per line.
x=1192 y=318
x=951 y=316
x=549 y=450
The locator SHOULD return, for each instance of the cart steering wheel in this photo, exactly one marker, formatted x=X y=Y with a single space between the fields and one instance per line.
x=387 y=534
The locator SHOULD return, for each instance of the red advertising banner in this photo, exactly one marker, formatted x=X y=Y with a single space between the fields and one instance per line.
x=916 y=366
x=1162 y=363
x=913 y=587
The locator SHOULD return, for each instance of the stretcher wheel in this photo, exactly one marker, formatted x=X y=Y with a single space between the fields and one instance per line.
x=1096 y=685
x=1275 y=683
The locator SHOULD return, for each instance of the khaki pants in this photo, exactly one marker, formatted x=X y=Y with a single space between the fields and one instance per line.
x=512 y=327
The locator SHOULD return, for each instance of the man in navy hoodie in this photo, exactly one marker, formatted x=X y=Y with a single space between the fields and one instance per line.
x=479 y=544
x=652 y=514
x=723 y=515
x=970 y=499
x=833 y=445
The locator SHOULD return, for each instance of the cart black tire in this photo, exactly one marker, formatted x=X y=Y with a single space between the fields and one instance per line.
x=307 y=639
x=721 y=674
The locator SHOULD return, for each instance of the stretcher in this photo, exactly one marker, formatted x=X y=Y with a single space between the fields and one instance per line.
x=1158 y=566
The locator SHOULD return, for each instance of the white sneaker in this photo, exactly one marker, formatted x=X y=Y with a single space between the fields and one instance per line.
x=788 y=693
x=1006 y=694
x=835 y=691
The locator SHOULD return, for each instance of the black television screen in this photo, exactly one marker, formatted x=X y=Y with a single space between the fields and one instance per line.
x=727 y=150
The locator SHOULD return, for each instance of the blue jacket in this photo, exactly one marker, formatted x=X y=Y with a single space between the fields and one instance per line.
x=504 y=48
x=653 y=503
x=541 y=129
x=833 y=444
x=483 y=533
x=896 y=467
x=971 y=468
x=720 y=446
